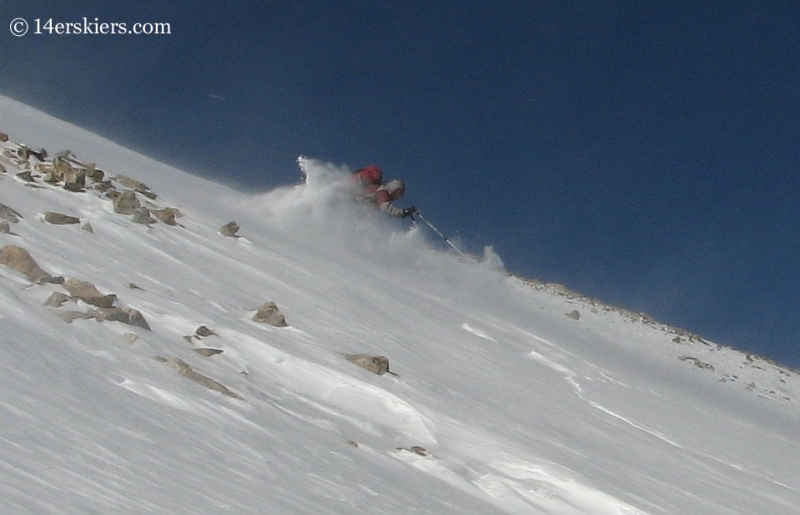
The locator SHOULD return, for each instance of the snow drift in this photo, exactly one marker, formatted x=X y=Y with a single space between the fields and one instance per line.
x=501 y=403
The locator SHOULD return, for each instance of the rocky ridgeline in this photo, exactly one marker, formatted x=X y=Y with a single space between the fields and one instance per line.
x=775 y=376
x=78 y=299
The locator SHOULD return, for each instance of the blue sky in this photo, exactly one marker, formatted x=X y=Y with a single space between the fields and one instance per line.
x=646 y=155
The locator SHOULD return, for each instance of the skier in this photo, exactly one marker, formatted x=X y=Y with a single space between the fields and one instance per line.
x=369 y=181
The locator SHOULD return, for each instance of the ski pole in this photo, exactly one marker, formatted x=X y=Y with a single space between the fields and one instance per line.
x=437 y=231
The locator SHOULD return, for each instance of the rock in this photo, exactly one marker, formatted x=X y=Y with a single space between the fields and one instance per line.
x=137 y=186
x=2 y=168
x=575 y=315
x=87 y=292
x=3 y=137
x=229 y=229
x=88 y=227
x=60 y=219
x=186 y=371
x=269 y=313
x=204 y=331
x=127 y=316
x=375 y=364
x=94 y=173
x=135 y=318
x=207 y=352
x=104 y=187
x=166 y=215
x=69 y=316
x=416 y=449
x=8 y=214
x=142 y=216
x=76 y=176
x=5 y=228
x=56 y=300
x=131 y=183
x=126 y=203
x=697 y=362
x=25 y=176
x=20 y=260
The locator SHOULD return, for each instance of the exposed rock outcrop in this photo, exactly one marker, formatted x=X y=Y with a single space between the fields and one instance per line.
x=208 y=352
x=203 y=332
x=137 y=186
x=126 y=203
x=9 y=214
x=142 y=216
x=188 y=372
x=375 y=364
x=56 y=300
x=129 y=316
x=229 y=229
x=269 y=313
x=20 y=260
x=87 y=292
x=60 y=218
x=166 y=215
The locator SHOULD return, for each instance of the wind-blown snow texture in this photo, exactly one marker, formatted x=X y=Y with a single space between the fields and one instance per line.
x=519 y=408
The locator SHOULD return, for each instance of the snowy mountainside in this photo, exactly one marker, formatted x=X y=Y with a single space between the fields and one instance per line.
x=501 y=403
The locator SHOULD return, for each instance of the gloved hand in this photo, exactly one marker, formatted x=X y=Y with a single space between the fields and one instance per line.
x=410 y=211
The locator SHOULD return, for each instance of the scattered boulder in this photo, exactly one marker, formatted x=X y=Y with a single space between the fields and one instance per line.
x=3 y=168
x=25 y=153
x=88 y=228
x=142 y=216
x=94 y=173
x=208 y=352
x=87 y=292
x=132 y=317
x=3 y=137
x=69 y=316
x=375 y=364
x=269 y=313
x=166 y=215
x=8 y=214
x=126 y=203
x=229 y=229
x=56 y=300
x=203 y=331
x=75 y=180
x=5 y=228
x=575 y=315
x=135 y=318
x=106 y=187
x=137 y=186
x=60 y=219
x=186 y=371
x=698 y=363
x=416 y=449
x=20 y=260
x=26 y=176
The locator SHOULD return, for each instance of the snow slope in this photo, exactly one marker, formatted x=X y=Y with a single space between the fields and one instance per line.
x=501 y=403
